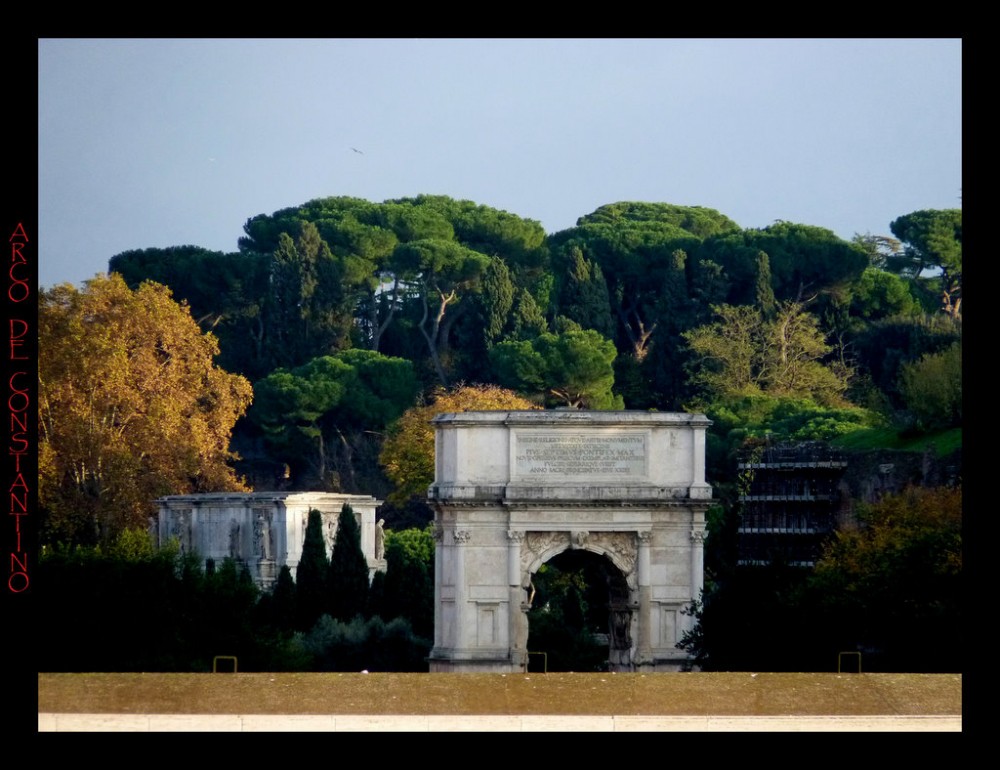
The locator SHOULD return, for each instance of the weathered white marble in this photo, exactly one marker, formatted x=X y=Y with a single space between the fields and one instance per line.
x=450 y=723
x=513 y=489
x=263 y=530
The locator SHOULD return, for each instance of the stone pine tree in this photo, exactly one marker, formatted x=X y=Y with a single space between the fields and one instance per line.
x=311 y=576
x=348 y=573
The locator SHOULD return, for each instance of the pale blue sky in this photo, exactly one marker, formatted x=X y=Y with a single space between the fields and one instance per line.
x=148 y=143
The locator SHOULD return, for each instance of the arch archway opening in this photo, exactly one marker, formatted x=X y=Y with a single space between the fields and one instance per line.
x=580 y=615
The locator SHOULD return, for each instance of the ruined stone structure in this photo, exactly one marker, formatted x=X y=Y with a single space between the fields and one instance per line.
x=514 y=489
x=262 y=530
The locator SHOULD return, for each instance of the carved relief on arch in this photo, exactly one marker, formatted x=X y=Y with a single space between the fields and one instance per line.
x=538 y=548
x=621 y=548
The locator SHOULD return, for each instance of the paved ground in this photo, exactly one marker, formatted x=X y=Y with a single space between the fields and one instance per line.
x=505 y=703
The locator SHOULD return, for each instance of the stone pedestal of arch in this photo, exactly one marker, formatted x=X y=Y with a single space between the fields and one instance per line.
x=514 y=489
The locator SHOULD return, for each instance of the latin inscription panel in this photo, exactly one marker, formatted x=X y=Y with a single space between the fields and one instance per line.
x=579 y=456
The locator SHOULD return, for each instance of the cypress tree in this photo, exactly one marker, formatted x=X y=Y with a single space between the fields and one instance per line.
x=348 y=573
x=764 y=292
x=584 y=297
x=376 y=597
x=311 y=575
x=409 y=589
x=283 y=601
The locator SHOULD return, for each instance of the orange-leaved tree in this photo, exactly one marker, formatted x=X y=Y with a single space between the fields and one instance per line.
x=408 y=452
x=130 y=407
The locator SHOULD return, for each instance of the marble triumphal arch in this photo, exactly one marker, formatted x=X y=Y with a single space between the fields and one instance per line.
x=513 y=489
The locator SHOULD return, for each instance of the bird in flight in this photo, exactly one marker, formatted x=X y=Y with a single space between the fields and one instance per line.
x=357 y=151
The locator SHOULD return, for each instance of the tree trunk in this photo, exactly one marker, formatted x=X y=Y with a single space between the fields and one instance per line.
x=432 y=336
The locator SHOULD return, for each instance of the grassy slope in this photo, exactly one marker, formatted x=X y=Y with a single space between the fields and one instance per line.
x=943 y=442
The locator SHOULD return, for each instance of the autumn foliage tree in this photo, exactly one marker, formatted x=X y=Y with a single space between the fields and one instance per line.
x=131 y=407
x=408 y=453
x=883 y=584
